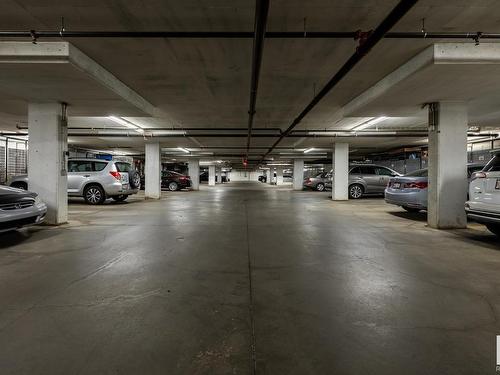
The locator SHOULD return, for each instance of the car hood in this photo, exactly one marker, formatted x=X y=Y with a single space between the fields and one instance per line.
x=9 y=194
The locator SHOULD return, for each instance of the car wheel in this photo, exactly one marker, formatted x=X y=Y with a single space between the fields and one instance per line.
x=173 y=186
x=411 y=209
x=494 y=228
x=19 y=185
x=120 y=198
x=356 y=191
x=320 y=187
x=94 y=194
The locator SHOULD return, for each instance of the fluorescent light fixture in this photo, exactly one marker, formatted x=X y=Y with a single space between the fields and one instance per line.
x=127 y=124
x=183 y=150
x=308 y=150
x=169 y=132
x=279 y=164
x=369 y=123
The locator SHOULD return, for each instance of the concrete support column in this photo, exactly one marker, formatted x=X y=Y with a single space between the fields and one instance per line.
x=152 y=173
x=194 y=173
x=219 y=175
x=279 y=176
x=298 y=174
x=271 y=176
x=447 y=189
x=47 y=169
x=340 y=183
x=211 y=175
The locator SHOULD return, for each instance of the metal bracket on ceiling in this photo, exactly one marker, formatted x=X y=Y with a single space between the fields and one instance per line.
x=423 y=28
x=62 y=29
x=33 y=36
x=477 y=37
x=362 y=36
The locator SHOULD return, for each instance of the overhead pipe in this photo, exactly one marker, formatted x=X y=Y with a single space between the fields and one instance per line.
x=35 y=35
x=261 y=12
x=365 y=46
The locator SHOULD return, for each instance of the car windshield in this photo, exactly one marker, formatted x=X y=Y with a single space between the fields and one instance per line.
x=493 y=165
x=417 y=173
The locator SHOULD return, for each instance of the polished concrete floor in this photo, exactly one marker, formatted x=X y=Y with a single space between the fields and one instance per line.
x=244 y=279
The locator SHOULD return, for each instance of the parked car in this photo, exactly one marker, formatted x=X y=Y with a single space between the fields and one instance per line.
x=95 y=180
x=410 y=191
x=263 y=178
x=19 y=208
x=483 y=205
x=363 y=179
x=174 y=181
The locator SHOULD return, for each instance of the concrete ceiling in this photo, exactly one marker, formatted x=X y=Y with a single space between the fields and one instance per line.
x=205 y=82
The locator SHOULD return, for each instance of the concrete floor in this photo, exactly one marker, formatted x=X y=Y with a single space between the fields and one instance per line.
x=163 y=287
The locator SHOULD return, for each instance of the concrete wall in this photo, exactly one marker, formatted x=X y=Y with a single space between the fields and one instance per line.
x=242 y=175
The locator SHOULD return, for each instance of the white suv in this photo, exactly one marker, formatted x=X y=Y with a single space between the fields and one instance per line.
x=95 y=180
x=483 y=205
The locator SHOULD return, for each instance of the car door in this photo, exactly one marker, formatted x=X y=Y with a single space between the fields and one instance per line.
x=79 y=171
x=384 y=175
x=371 y=179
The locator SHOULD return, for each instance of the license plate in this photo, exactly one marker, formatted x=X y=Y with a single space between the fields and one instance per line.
x=396 y=185
x=497 y=184
x=125 y=186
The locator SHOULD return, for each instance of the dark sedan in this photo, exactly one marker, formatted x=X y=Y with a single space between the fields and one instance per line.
x=174 y=181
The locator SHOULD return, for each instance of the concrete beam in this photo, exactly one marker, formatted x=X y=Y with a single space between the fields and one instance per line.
x=436 y=54
x=66 y=53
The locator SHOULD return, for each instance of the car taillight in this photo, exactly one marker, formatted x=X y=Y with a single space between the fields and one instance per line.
x=115 y=175
x=416 y=185
x=478 y=175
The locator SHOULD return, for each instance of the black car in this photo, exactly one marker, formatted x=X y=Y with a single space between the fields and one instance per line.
x=263 y=178
x=174 y=181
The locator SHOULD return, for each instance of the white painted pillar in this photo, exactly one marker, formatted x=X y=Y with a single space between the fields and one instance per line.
x=340 y=183
x=298 y=174
x=219 y=175
x=152 y=173
x=194 y=173
x=47 y=164
x=211 y=175
x=279 y=176
x=447 y=189
x=271 y=176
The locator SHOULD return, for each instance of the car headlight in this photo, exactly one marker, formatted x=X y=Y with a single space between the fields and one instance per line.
x=38 y=200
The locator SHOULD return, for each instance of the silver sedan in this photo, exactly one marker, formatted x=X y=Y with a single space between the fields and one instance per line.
x=408 y=191
x=19 y=208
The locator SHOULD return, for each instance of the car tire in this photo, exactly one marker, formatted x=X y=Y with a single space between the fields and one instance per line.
x=20 y=185
x=494 y=228
x=120 y=198
x=412 y=209
x=173 y=186
x=94 y=194
x=134 y=179
x=356 y=191
x=320 y=187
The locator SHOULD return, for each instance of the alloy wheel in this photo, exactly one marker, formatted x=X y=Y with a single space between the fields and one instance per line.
x=93 y=195
x=356 y=191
